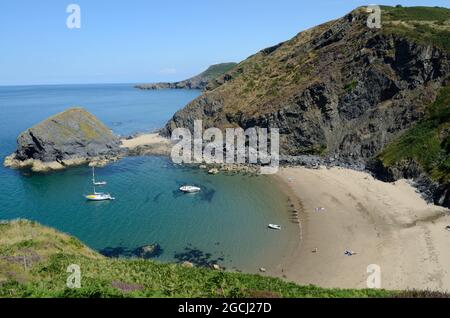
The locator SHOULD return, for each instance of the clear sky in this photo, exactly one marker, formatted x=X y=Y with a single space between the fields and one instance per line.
x=145 y=40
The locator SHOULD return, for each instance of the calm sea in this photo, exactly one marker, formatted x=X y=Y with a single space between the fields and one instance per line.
x=225 y=223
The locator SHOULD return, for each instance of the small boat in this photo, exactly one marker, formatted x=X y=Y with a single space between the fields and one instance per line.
x=274 y=227
x=190 y=189
x=98 y=196
x=96 y=183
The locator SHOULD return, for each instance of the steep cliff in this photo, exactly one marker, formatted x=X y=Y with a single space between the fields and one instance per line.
x=340 y=90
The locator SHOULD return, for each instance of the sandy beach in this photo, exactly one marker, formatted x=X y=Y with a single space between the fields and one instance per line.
x=144 y=140
x=387 y=224
x=148 y=144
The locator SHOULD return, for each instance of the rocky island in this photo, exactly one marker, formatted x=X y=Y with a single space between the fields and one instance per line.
x=201 y=81
x=72 y=137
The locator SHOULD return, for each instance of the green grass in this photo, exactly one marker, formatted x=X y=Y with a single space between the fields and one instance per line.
x=350 y=86
x=427 y=143
x=48 y=253
x=425 y=25
x=418 y=13
x=422 y=34
x=217 y=70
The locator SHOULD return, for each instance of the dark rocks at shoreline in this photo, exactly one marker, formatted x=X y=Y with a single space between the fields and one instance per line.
x=148 y=251
x=145 y=252
x=314 y=162
x=431 y=191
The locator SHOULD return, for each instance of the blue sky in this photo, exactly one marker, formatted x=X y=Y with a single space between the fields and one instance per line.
x=141 y=41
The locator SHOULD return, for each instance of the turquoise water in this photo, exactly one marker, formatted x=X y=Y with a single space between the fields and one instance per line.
x=226 y=223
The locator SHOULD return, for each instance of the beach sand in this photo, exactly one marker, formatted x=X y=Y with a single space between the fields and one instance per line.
x=148 y=144
x=144 y=140
x=387 y=224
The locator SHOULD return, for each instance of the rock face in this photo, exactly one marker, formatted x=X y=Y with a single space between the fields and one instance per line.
x=340 y=90
x=72 y=137
x=200 y=81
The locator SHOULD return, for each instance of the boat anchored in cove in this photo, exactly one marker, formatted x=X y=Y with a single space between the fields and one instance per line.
x=190 y=189
x=98 y=196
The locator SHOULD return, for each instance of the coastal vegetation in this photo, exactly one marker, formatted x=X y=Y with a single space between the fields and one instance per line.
x=427 y=143
x=34 y=261
x=426 y=25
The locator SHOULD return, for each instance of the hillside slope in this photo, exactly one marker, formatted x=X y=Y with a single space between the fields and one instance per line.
x=200 y=81
x=340 y=90
x=34 y=261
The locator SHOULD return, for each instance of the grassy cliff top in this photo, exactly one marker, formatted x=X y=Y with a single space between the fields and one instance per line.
x=216 y=70
x=34 y=261
x=427 y=25
x=418 y=13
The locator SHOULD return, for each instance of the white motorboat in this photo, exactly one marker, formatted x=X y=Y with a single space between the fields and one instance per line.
x=190 y=189
x=274 y=227
x=98 y=196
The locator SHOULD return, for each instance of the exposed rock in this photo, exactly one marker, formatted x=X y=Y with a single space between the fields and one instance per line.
x=430 y=190
x=339 y=93
x=213 y=171
x=200 y=81
x=339 y=90
x=148 y=251
x=72 y=137
x=187 y=264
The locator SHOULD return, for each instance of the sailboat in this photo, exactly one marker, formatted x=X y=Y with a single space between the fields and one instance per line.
x=96 y=183
x=98 y=196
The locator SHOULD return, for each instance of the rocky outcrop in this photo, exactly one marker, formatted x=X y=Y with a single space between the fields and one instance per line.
x=431 y=190
x=72 y=137
x=200 y=81
x=339 y=90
